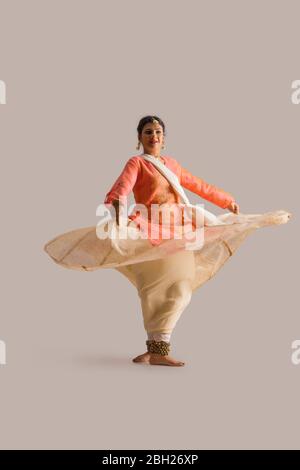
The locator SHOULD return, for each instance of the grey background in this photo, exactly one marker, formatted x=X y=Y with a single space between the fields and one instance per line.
x=79 y=76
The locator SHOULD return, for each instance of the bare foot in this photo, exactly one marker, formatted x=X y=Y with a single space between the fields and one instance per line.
x=142 y=358
x=159 y=360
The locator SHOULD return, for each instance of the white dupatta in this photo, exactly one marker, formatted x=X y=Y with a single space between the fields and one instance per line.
x=209 y=218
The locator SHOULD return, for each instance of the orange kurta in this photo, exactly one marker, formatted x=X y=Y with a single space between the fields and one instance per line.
x=150 y=187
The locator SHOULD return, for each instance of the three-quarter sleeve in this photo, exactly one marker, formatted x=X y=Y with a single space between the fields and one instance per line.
x=205 y=190
x=125 y=182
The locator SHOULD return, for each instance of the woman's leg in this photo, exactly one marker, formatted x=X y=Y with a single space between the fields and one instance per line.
x=166 y=315
x=165 y=289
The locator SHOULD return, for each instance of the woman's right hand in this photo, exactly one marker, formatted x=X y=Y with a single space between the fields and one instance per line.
x=234 y=207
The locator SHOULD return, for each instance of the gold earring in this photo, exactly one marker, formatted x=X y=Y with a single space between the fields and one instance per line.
x=138 y=145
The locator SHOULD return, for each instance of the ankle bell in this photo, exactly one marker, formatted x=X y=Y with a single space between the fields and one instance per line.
x=158 y=347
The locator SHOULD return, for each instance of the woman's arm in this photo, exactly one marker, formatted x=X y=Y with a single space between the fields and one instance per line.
x=123 y=185
x=207 y=191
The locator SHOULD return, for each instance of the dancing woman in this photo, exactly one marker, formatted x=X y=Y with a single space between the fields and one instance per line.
x=164 y=271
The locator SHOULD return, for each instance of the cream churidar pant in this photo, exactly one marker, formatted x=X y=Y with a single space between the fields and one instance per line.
x=165 y=289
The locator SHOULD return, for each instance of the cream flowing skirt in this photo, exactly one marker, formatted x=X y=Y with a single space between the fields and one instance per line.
x=166 y=275
x=81 y=249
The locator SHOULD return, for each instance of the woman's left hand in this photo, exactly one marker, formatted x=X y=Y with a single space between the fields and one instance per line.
x=234 y=207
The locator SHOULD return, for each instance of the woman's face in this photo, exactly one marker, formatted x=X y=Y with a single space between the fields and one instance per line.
x=152 y=138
